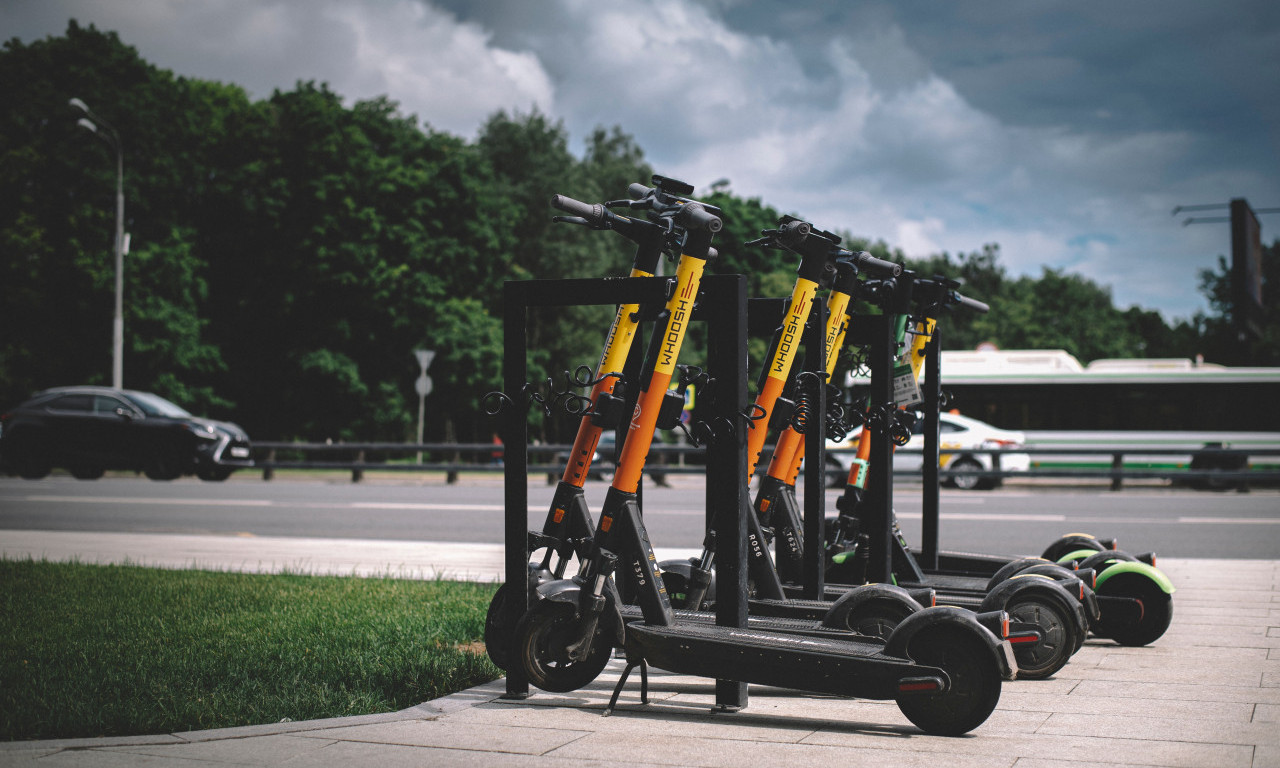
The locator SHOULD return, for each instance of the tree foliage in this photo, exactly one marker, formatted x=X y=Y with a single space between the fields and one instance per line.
x=289 y=253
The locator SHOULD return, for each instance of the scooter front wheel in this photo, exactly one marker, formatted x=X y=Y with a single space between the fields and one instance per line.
x=975 y=681
x=542 y=642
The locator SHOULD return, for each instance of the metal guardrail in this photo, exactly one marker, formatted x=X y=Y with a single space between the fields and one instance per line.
x=357 y=458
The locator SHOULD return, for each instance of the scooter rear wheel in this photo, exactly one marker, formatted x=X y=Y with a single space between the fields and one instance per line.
x=1036 y=661
x=877 y=618
x=498 y=632
x=542 y=640
x=975 y=681
x=1012 y=568
x=1100 y=561
x=1071 y=543
x=1157 y=610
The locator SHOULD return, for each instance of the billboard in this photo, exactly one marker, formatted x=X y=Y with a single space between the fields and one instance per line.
x=1246 y=268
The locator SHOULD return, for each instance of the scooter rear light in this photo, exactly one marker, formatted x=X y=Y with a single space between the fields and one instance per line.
x=1004 y=627
x=1089 y=575
x=920 y=684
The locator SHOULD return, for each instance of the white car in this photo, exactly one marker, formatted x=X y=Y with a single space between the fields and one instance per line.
x=958 y=435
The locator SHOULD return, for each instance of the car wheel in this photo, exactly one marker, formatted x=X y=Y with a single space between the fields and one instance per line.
x=28 y=459
x=213 y=474
x=838 y=478
x=33 y=468
x=87 y=472
x=968 y=482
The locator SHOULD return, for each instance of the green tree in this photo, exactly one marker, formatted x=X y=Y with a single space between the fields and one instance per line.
x=1219 y=339
x=57 y=222
x=531 y=162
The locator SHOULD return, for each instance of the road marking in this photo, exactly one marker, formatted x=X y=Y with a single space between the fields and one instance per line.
x=429 y=507
x=988 y=516
x=1229 y=520
x=166 y=501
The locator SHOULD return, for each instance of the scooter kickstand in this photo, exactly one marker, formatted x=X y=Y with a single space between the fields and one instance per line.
x=622 y=681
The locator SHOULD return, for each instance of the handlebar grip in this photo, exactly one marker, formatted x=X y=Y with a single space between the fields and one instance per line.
x=870 y=263
x=637 y=191
x=793 y=233
x=592 y=213
x=973 y=304
x=697 y=216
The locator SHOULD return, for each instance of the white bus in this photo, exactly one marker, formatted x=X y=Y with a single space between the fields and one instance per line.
x=1125 y=405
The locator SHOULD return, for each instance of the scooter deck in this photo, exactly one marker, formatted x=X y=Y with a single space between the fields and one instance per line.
x=795 y=626
x=817 y=609
x=762 y=657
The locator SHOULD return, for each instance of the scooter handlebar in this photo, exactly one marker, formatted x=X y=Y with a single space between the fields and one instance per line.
x=973 y=304
x=880 y=267
x=594 y=214
x=695 y=216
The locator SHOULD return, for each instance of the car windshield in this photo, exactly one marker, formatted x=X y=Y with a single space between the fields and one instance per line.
x=154 y=405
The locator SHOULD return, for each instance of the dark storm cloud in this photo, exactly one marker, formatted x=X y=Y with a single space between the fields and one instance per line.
x=1066 y=132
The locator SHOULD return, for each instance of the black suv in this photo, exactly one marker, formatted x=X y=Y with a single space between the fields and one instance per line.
x=89 y=430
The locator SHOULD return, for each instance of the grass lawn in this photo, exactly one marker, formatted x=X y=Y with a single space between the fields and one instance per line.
x=89 y=650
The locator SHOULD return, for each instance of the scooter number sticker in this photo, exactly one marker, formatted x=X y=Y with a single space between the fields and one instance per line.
x=906 y=392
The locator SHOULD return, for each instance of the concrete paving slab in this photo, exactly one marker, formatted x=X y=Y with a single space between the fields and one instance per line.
x=675 y=750
x=1031 y=701
x=272 y=750
x=396 y=756
x=488 y=737
x=625 y=719
x=1062 y=750
x=1163 y=729
x=101 y=758
x=1171 y=691
x=1266 y=757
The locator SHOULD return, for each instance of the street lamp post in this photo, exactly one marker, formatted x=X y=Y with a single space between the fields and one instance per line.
x=108 y=134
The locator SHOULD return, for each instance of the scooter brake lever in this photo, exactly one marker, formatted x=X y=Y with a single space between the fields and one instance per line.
x=580 y=222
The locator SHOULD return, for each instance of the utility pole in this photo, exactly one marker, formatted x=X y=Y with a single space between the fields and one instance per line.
x=103 y=129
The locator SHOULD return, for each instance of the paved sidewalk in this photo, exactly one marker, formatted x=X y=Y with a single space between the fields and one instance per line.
x=1206 y=694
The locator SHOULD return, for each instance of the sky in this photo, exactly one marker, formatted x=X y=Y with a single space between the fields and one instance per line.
x=1064 y=132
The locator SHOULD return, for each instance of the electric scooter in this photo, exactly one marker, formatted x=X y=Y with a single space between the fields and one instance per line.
x=941 y=666
x=566 y=530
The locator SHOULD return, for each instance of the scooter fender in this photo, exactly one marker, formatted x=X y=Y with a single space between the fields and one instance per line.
x=537 y=577
x=1151 y=572
x=1045 y=588
x=1053 y=571
x=570 y=591
x=1001 y=651
x=1076 y=556
x=838 y=614
x=683 y=571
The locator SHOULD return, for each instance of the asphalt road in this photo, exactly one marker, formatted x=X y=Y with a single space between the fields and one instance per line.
x=1014 y=520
